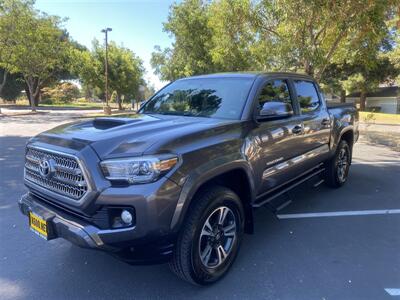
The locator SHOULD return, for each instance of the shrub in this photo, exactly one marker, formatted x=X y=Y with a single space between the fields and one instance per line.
x=61 y=93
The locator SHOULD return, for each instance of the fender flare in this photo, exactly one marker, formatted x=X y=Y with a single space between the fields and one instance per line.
x=196 y=179
x=338 y=138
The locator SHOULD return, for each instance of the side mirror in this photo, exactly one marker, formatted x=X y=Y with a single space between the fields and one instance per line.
x=275 y=110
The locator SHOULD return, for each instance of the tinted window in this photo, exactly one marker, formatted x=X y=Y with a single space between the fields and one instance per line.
x=307 y=95
x=204 y=97
x=276 y=91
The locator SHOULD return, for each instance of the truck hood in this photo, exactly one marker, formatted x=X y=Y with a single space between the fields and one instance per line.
x=130 y=135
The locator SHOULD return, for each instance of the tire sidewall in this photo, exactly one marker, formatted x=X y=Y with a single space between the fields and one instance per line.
x=342 y=145
x=202 y=274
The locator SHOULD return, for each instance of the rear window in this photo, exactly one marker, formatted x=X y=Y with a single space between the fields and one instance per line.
x=306 y=95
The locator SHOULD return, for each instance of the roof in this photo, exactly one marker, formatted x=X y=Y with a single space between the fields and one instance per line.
x=383 y=92
x=249 y=75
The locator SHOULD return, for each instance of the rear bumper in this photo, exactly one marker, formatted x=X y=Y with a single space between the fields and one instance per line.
x=86 y=235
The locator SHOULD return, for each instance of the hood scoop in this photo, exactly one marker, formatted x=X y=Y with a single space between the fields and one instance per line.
x=107 y=123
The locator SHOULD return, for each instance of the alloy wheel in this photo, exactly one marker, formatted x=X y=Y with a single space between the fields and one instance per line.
x=342 y=164
x=217 y=237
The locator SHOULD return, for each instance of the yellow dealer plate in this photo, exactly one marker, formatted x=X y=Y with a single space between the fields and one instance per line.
x=38 y=225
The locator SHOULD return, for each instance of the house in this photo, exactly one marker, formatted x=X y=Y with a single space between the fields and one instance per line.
x=384 y=99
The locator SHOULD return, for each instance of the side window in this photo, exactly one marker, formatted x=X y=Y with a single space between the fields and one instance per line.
x=307 y=95
x=276 y=91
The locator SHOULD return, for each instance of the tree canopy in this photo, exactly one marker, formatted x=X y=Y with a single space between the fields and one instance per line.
x=325 y=39
x=125 y=69
x=344 y=44
x=35 y=46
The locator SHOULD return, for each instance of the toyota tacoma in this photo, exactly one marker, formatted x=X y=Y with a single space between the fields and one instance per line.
x=178 y=180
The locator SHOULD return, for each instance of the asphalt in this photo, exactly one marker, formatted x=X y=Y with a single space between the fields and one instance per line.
x=329 y=257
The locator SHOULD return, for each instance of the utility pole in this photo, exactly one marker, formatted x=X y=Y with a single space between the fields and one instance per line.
x=105 y=31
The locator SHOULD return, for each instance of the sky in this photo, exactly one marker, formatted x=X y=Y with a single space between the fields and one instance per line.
x=136 y=24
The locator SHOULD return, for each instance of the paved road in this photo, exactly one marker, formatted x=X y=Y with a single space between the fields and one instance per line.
x=325 y=257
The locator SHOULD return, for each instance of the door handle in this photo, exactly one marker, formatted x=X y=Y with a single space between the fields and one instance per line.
x=325 y=122
x=298 y=129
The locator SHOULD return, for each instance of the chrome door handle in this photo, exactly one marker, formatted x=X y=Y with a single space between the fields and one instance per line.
x=298 y=129
x=325 y=122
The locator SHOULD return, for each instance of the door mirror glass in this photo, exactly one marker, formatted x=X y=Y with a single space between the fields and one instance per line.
x=274 y=109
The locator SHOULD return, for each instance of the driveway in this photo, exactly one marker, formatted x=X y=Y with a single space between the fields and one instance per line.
x=328 y=244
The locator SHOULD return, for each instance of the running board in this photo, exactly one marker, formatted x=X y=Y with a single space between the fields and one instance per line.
x=319 y=183
x=288 y=186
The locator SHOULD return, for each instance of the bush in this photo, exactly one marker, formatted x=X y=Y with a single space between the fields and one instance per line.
x=61 y=93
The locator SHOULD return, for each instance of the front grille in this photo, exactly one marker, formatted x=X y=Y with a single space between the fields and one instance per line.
x=65 y=178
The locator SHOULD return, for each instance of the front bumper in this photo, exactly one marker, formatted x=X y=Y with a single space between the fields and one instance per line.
x=68 y=227
x=85 y=235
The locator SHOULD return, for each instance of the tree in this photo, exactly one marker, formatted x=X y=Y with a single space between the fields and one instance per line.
x=394 y=54
x=310 y=35
x=190 y=53
x=367 y=76
x=125 y=69
x=61 y=93
x=295 y=35
x=38 y=49
x=233 y=35
x=10 y=13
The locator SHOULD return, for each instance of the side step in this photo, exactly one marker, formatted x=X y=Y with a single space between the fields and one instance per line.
x=288 y=186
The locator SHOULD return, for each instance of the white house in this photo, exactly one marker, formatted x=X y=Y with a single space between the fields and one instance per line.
x=384 y=99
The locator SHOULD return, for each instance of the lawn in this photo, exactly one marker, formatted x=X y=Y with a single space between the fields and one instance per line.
x=74 y=104
x=379 y=118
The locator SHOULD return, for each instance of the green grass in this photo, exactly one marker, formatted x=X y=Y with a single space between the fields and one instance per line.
x=74 y=104
x=379 y=118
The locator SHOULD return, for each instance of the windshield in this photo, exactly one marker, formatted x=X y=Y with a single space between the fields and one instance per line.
x=204 y=97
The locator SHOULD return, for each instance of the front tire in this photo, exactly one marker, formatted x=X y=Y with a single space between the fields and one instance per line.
x=337 y=168
x=210 y=238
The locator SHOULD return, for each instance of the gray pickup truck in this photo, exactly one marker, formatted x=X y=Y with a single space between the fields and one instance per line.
x=179 y=180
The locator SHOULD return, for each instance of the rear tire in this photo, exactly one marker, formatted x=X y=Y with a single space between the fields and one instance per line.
x=210 y=237
x=337 y=168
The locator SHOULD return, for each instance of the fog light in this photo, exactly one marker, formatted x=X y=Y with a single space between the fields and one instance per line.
x=126 y=217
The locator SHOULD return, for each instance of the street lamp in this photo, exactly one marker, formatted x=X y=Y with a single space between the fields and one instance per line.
x=105 y=31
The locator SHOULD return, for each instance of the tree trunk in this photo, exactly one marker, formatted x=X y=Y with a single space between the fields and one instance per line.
x=342 y=96
x=3 y=81
x=37 y=97
x=119 y=102
x=33 y=92
x=308 y=68
x=28 y=96
x=363 y=100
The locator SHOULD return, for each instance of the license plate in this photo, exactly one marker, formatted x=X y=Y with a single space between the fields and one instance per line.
x=38 y=225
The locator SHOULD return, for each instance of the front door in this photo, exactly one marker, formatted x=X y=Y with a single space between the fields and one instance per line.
x=276 y=140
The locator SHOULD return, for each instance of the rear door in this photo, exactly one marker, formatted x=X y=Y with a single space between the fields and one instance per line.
x=315 y=119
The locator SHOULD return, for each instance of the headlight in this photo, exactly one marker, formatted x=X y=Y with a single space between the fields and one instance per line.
x=136 y=170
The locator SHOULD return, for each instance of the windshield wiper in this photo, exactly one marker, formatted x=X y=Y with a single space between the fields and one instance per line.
x=177 y=113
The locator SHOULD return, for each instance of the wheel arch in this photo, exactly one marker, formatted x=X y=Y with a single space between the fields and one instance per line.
x=348 y=136
x=236 y=177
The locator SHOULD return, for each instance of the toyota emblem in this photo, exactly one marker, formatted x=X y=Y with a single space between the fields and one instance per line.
x=46 y=167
